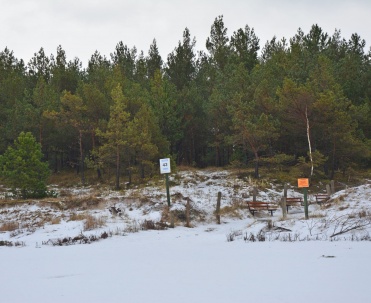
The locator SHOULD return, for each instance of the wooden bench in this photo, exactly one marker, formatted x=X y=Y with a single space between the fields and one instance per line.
x=321 y=198
x=255 y=206
x=295 y=201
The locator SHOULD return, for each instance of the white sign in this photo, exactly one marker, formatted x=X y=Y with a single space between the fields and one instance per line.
x=165 y=166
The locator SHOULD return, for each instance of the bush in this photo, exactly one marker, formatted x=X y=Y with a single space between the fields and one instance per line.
x=92 y=222
x=22 y=168
x=9 y=226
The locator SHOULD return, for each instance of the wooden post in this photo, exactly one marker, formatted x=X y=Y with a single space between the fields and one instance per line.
x=254 y=194
x=332 y=186
x=328 y=189
x=306 y=211
x=285 y=190
x=187 y=213
x=172 y=220
x=167 y=189
x=283 y=202
x=218 y=208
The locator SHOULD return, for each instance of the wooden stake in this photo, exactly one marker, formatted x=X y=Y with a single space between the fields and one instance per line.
x=332 y=186
x=218 y=208
x=283 y=202
x=328 y=189
x=254 y=194
x=187 y=213
x=172 y=220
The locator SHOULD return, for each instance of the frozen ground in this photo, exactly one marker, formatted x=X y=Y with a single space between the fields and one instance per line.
x=300 y=260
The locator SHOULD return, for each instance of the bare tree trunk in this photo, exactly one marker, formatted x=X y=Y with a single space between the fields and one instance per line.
x=188 y=224
x=142 y=171
x=256 y=174
x=117 y=168
x=81 y=158
x=332 y=186
x=217 y=156
x=254 y=194
x=99 y=173
x=283 y=202
x=333 y=161
x=218 y=207
x=328 y=190
x=55 y=162
x=130 y=176
x=41 y=135
x=309 y=144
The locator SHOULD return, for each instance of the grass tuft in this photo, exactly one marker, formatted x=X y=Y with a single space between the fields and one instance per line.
x=92 y=222
x=9 y=226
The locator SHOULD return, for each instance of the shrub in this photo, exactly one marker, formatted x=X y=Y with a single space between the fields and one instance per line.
x=151 y=225
x=231 y=236
x=5 y=243
x=92 y=222
x=77 y=217
x=56 y=220
x=9 y=226
x=22 y=168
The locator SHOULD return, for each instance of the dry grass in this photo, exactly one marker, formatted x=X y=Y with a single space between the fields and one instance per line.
x=343 y=207
x=56 y=220
x=317 y=215
x=339 y=199
x=233 y=210
x=77 y=217
x=9 y=226
x=166 y=214
x=65 y=179
x=85 y=201
x=363 y=213
x=132 y=227
x=65 y=193
x=92 y=222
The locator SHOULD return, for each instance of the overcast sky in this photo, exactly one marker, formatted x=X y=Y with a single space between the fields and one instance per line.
x=83 y=26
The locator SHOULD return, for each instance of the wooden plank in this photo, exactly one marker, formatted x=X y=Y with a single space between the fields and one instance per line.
x=321 y=198
x=294 y=201
x=255 y=206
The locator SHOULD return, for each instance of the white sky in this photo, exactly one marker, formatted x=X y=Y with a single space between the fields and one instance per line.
x=83 y=26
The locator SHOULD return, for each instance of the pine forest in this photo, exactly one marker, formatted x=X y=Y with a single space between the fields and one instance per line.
x=302 y=103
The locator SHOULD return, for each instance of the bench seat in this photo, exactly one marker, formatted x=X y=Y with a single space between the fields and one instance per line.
x=321 y=198
x=294 y=201
x=255 y=206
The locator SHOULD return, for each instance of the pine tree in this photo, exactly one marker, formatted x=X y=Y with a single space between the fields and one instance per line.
x=181 y=62
x=115 y=136
x=217 y=44
x=73 y=113
x=22 y=168
x=153 y=60
x=140 y=138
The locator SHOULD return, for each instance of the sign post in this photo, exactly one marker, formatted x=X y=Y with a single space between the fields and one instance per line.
x=165 y=169
x=304 y=183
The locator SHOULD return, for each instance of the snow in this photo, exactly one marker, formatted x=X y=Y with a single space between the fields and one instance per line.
x=198 y=264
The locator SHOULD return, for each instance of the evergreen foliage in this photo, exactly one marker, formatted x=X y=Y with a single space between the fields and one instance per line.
x=224 y=106
x=22 y=167
x=115 y=137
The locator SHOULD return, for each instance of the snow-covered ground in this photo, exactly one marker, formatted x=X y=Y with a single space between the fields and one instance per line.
x=323 y=259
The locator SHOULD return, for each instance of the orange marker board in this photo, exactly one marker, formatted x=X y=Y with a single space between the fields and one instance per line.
x=304 y=182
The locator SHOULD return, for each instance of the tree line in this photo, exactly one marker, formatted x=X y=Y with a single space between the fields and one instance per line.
x=303 y=100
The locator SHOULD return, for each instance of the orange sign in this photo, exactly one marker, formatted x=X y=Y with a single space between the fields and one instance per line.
x=304 y=182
